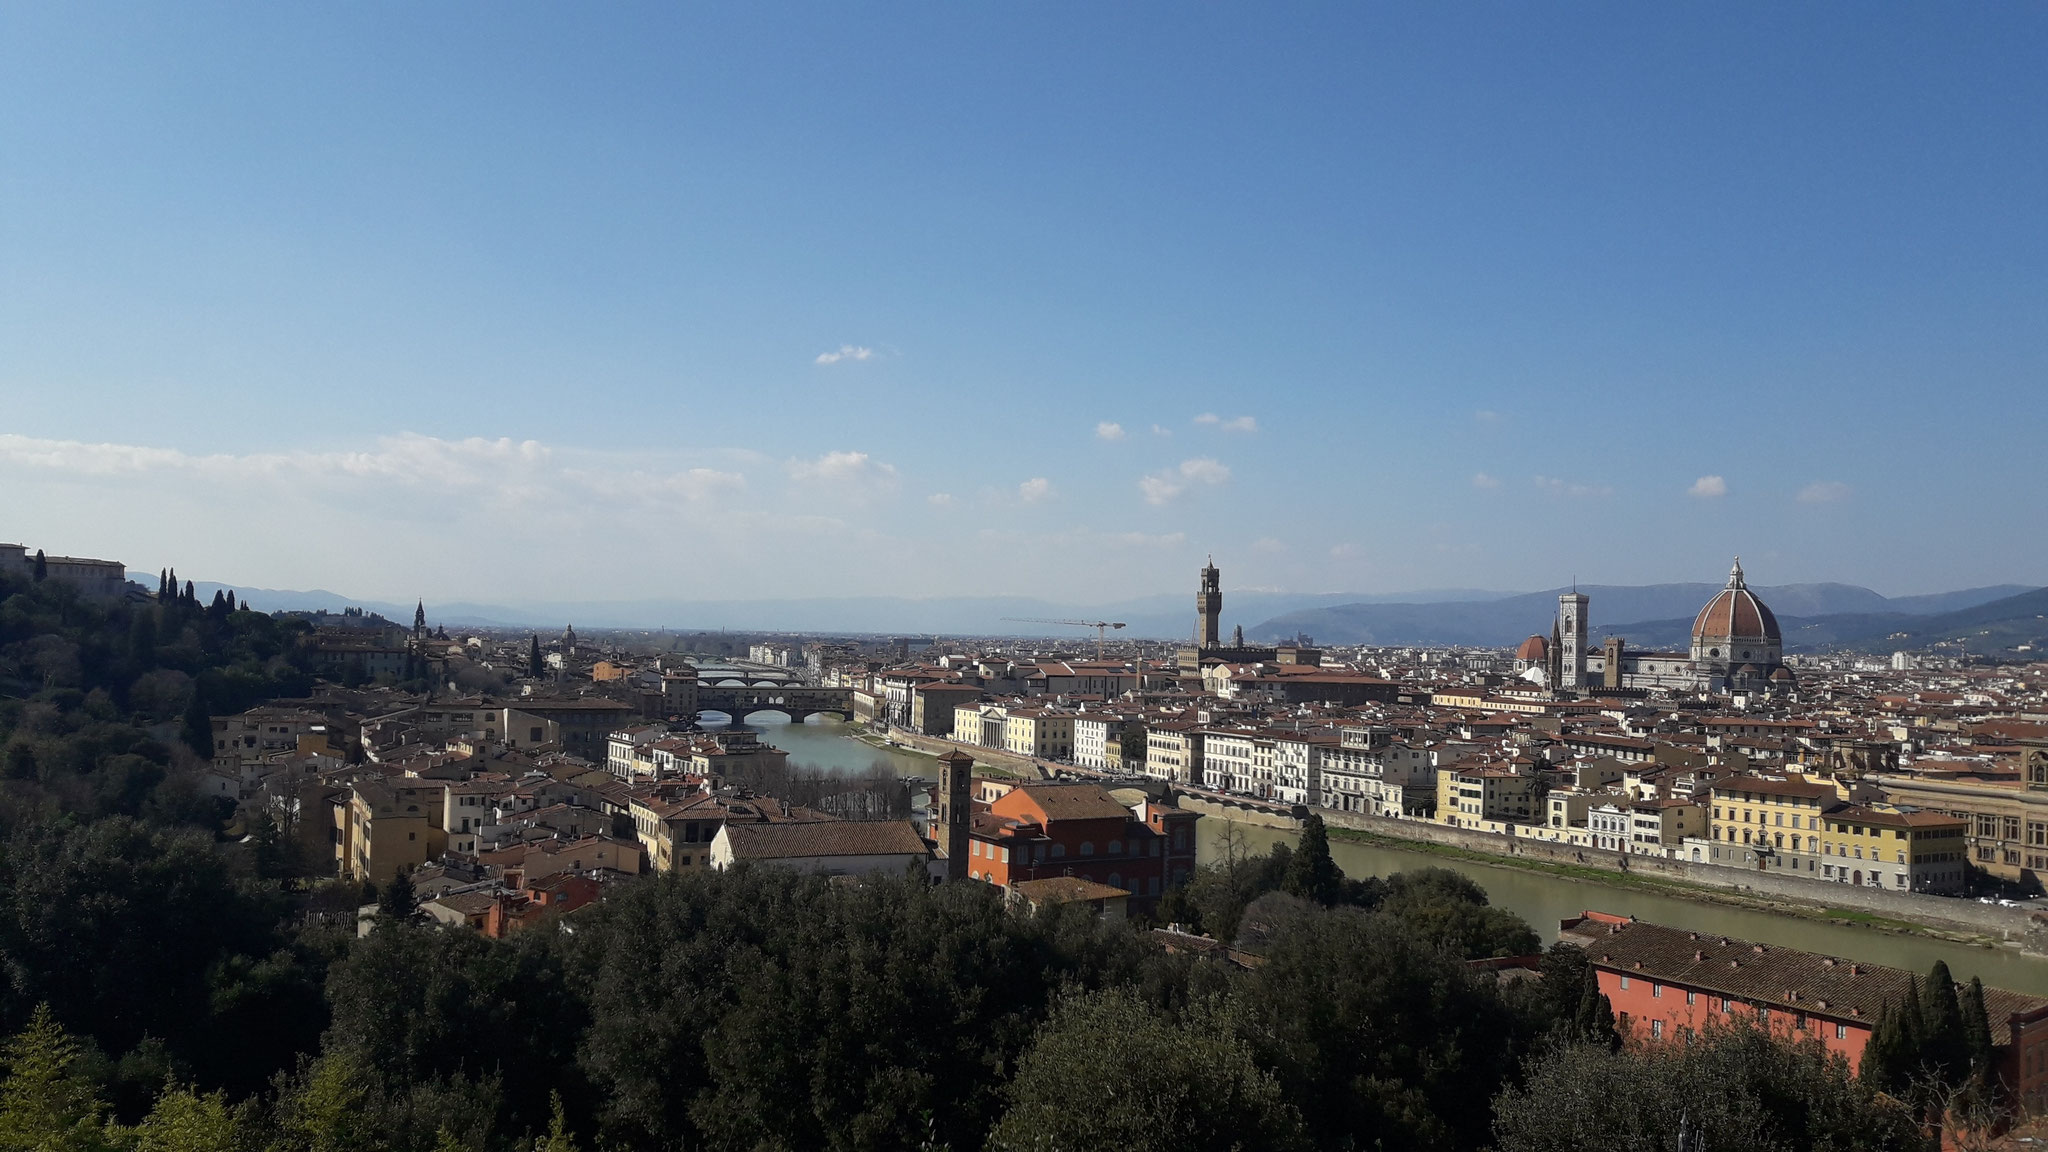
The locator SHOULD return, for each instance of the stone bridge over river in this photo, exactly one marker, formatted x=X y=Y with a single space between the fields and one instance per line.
x=740 y=702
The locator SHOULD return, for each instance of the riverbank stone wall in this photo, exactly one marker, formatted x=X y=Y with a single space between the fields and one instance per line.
x=2021 y=926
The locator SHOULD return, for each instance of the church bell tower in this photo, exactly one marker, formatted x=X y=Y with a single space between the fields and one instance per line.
x=1571 y=634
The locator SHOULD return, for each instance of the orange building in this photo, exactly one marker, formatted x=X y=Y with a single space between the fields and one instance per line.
x=1668 y=983
x=1037 y=831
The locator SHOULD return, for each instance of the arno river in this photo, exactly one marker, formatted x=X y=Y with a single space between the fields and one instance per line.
x=1540 y=898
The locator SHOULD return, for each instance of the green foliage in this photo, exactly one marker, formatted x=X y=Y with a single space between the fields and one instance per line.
x=1379 y=1037
x=81 y=683
x=1311 y=874
x=422 y=1005
x=1154 y=1082
x=788 y=1012
x=331 y=1106
x=1733 y=1089
x=1448 y=908
x=178 y=946
x=1977 y=1031
x=1944 y=1048
x=184 y=1120
x=47 y=1104
x=558 y=1138
x=396 y=903
x=1592 y=1020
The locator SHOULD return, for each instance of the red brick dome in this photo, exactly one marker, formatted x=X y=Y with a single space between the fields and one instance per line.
x=1534 y=650
x=1735 y=615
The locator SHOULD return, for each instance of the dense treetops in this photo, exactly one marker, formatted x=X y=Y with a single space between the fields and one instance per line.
x=99 y=703
x=763 y=1009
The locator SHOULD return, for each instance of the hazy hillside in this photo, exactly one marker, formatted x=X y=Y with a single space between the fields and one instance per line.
x=1656 y=615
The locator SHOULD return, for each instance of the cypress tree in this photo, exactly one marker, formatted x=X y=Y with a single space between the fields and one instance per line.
x=42 y=567
x=173 y=573
x=1311 y=874
x=163 y=585
x=1912 y=1022
x=1943 y=1045
x=1976 y=1029
x=220 y=603
x=1884 y=1053
x=533 y=659
x=231 y=600
x=191 y=593
x=1594 y=1021
x=396 y=902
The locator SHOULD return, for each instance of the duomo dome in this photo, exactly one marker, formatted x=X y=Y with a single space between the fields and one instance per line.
x=1735 y=637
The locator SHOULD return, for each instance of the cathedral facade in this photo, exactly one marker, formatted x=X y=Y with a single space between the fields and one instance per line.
x=1736 y=647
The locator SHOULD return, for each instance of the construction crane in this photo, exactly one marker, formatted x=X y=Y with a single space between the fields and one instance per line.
x=1098 y=625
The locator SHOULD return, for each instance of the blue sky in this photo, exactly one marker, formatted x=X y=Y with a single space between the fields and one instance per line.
x=532 y=301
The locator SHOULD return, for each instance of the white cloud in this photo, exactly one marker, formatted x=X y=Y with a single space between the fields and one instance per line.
x=845 y=352
x=1036 y=490
x=1268 y=544
x=1708 y=487
x=1487 y=416
x=406 y=458
x=1482 y=480
x=1158 y=430
x=841 y=467
x=1109 y=430
x=1167 y=486
x=1572 y=488
x=940 y=499
x=1234 y=424
x=1824 y=492
x=1346 y=551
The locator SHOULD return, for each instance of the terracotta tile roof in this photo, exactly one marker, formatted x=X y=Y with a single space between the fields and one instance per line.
x=831 y=838
x=1781 y=978
x=1805 y=789
x=1066 y=889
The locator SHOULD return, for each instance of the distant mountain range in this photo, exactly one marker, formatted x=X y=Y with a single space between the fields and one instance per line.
x=1659 y=615
x=2011 y=625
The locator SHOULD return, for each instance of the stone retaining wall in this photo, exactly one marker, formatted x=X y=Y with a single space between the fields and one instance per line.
x=1257 y=817
x=1023 y=766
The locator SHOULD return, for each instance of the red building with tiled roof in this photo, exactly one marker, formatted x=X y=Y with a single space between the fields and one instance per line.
x=1667 y=983
x=1037 y=831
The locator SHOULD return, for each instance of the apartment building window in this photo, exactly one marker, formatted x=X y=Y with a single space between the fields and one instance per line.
x=1656 y=990
x=1987 y=826
x=1624 y=983
x=1841 y=1031
x=1691 y=998
x=2011 y=827
x=1656 y=1029
x=2037 y=834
